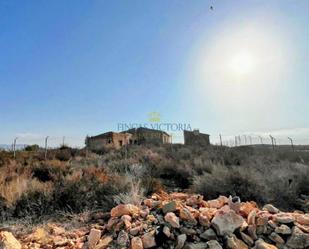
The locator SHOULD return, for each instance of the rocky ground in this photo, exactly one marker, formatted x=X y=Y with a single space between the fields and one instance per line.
x=175 y=220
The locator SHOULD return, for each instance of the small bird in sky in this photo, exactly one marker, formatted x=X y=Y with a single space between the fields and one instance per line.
x=211 y=8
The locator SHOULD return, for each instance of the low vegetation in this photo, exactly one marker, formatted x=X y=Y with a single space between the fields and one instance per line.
x=73 y=180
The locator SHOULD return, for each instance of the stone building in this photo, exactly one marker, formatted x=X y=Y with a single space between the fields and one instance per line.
x=196 y=138
x=149 y=136
x=108 y=140
x=132 y=136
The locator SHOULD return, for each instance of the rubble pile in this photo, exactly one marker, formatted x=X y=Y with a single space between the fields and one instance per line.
x=184 y=221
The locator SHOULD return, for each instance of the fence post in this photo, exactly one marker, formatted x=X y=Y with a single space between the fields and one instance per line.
x=292 y=144
x=46 y=139
x=14 y=147
x=272 y=141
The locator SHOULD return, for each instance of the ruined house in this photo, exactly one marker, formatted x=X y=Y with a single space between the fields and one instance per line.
x=132 y=136
x=108 y=140
x=149 y=136
x=196 y=138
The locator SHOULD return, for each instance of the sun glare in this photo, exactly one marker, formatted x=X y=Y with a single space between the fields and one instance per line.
x=242 y=63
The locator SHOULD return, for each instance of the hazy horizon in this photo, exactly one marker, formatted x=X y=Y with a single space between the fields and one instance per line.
x=78 y=68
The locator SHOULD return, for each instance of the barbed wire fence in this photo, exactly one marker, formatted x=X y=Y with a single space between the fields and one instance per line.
x=253 y=140
x=53 y=142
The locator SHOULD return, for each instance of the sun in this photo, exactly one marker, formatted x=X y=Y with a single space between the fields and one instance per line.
x=241 y=63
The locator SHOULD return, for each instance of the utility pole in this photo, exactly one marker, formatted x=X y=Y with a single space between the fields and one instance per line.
x=292 y=144
x=272 y=141
x=220 y=140
x=46 y=139
x=14 y=147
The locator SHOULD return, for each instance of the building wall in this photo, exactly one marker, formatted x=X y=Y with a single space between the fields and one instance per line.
x=196 y=138
x=110 y=140
x=117 y=140
x=121 y=139
x=145 y=136
x=97 y=144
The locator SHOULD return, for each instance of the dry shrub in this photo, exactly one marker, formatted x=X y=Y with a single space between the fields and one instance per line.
x=280 y=183
x=31 y=186
x=12 y=190
x=135 y=193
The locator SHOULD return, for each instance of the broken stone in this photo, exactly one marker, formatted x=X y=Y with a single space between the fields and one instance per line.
x=167 y=231
x=136 y=243
x=227 y=223
x=172 y=219
x=181 y=239
x=179 y=196
x=283 y=218
x=251 y=217
x=195 y=246
x=194 y=200
x=271 y=209
x=234 y=243
x=247 y=207
x=261 y=221
x=298 y=239
x=169 y=207
x=188 y=231
x=124 y=209
x=103 y=244
x=244 y=226
x=148 y=240
x=123 y=238
x=272 y=224
x=204 y=221
x=94 y=237
x=303 y=219
x=283 y=229
x=252 y=232
x=187 y=216
x=135 y=230
x=261 y=230
x=302 y=227
x=215 y=204
x=209 y=234
x=276 y=238
x=213 y=244
x=247 y=239
x=261 y=244
x=8 y=241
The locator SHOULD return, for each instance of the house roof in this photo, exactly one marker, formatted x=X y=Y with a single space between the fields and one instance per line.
x=130 y=131
x=108 y=134
x=144 y=129
x=197 y=132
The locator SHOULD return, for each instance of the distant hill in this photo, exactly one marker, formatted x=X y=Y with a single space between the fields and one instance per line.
x=9 y=146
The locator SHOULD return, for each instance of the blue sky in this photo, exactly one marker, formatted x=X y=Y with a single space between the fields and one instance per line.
x=72 y=68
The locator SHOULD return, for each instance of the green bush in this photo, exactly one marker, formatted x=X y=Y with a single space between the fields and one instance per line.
x=33 y=147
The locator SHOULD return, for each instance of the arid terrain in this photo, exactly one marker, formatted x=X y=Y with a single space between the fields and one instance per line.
x=219 y=197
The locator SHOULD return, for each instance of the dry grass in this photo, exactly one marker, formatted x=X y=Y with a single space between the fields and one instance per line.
x=33 y=187
x=135 y=193
x=14 y=185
